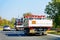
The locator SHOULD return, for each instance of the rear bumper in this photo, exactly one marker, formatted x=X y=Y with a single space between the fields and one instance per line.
x=6 y=29
x=37 y=32
x=32 y=31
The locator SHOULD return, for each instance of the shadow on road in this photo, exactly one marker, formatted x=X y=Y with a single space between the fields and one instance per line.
x=22 y=35
x=16 y=33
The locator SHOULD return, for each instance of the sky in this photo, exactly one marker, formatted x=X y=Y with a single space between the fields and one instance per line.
x=15 y=8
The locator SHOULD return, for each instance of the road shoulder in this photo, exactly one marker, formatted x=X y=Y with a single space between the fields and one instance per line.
x=54 y=35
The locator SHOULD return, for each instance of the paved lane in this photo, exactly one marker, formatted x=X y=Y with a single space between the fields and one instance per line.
x=4 y=37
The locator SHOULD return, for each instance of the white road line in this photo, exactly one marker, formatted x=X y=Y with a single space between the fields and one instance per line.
x=54 y=35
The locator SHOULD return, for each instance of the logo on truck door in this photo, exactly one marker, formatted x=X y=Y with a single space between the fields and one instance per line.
x=33 y=22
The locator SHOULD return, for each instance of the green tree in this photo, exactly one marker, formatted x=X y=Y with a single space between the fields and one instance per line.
x=4 y=22
x=0 y=21
x=12 y=22
x=53 y=10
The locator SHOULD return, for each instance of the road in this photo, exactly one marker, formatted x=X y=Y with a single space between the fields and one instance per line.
x=3 y=36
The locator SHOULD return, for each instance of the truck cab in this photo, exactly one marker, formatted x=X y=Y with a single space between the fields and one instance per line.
x=19 y=24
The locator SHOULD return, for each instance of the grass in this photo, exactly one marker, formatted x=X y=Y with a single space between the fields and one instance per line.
x=1 y=28
x=53 y=32
x=58 y=33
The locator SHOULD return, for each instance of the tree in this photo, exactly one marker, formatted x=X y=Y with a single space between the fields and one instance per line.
x=0 y=21
x=12 y=22
x=53 y=10
x=4 y=22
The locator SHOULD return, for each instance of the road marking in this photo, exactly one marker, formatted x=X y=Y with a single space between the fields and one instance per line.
x=54 y=35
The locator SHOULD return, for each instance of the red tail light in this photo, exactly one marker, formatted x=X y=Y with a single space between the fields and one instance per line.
x=49 y=28
x=31 y=28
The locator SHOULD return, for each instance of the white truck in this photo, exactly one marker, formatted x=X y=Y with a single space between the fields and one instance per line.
x=19 y=24
x=36 y=24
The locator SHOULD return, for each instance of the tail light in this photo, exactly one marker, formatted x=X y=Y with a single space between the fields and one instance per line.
x=49 y=28
x=31 y=28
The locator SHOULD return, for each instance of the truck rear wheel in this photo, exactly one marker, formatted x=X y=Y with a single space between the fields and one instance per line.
x=26 y=31
x=40 y=34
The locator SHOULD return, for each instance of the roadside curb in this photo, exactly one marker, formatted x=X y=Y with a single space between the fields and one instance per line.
x=54 y=35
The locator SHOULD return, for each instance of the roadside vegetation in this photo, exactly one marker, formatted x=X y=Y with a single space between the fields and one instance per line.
x=53 y=10
x=53 y=32
x=6 y=22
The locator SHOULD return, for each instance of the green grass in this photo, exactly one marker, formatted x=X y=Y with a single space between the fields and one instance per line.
x=1 y=28
x=57 y=33
x=51 y=32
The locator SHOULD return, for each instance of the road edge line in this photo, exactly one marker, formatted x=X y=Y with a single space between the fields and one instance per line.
x=54 y=35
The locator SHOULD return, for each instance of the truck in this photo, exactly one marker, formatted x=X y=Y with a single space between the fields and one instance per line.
x=19 y=24
x=35 y=24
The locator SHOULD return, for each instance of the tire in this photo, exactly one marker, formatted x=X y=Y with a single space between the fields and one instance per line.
x=40 y=33
x=26 y=31
x=6 y=30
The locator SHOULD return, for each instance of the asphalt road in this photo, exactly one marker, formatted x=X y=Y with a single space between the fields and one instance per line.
x=4 y=36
